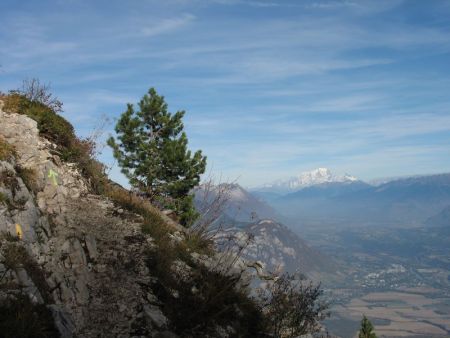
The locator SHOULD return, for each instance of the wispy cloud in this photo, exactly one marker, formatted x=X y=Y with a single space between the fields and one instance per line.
x=271 y=87
x=167 y=25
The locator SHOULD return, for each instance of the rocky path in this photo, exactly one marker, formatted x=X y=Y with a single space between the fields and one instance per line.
x=91 y=251
x=117 y=280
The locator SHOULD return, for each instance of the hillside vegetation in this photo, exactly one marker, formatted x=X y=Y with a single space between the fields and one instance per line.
x=82 y=256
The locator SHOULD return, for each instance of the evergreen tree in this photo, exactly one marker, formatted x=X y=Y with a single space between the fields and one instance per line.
x=151 y=148
x=366 y=330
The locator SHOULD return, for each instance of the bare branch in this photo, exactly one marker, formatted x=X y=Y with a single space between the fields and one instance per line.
x=36 y=91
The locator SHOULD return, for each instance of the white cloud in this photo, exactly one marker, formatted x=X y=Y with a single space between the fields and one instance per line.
x=267 y=94
x=167 y=25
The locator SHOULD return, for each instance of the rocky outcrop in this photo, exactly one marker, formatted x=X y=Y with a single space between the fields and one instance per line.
x=93 y=266
x=90 y=253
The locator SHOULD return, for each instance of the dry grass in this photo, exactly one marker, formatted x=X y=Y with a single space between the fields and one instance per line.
x=216 y=299
x=29 y=178
x=196 y=304
x=153 y=223
x=7 y=151
x=11 y=103
x=58 y=130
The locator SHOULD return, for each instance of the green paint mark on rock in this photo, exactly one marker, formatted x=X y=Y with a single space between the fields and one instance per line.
x=53 y=176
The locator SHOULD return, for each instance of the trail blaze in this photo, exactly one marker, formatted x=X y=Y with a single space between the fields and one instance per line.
x=53 y=175
x=19 y=231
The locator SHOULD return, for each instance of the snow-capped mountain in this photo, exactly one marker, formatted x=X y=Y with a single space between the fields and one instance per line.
x=306 y=179
x=409 y=201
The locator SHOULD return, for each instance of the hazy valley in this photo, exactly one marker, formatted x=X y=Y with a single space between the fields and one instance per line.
x=382 y=250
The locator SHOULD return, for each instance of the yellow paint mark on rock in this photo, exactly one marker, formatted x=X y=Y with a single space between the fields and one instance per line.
x=19 y=231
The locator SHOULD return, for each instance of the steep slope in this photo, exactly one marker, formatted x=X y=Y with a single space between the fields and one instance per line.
x=272 y=243
x=442 y=219
x=239 y=204
x=280 y=249
x=92 y=258
x=94 y=268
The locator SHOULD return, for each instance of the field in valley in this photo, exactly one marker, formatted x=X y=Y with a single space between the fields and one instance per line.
x=398 y=278
x=414 y=312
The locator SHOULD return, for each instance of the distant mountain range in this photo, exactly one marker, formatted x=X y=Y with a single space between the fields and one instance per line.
x=405 y=201
x=321 y=198
x=441 y=219
x=273 y=243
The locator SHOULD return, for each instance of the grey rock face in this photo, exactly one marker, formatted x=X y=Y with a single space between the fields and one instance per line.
x=93 y=260
x=155 y=316
x=63 y=322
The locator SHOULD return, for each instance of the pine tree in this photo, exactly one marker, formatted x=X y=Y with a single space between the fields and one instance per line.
x=151 y=148
x=366 y=330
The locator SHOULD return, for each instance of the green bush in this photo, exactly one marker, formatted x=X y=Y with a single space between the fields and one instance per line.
x=58 y=130
x=50 y=124
x=206 y=299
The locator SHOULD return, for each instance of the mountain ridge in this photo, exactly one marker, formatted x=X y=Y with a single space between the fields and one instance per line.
x=304 y=179
x=407 y=201
x=85 y=263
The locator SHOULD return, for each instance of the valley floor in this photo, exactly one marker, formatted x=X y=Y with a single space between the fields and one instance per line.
x=399 y=278
x=413 y=312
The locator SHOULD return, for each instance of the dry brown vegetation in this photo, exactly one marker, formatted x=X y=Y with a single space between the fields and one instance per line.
x=7 y=151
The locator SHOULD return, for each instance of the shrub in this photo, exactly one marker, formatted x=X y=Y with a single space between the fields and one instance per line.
x=8 y=179
x=81 y=152
x=15 y=256
x=195 y=242
x=153 y=223
x=19 y=317
x=50 y=124
x=208 y=298
x=7 y=151
x=58 y=130
x=36 y=91
x=4 y=199
x=13 y=102
x=292 y=306
x=196 y=305
x=29 y=178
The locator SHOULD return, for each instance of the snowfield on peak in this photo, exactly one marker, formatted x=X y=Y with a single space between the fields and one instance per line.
x=306 y=179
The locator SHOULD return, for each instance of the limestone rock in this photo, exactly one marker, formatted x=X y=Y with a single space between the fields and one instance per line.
x=93 y=258
x=63 y=321
x=155 y=316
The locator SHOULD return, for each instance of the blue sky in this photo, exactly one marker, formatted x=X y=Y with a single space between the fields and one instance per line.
x=271 y=88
